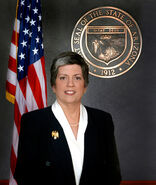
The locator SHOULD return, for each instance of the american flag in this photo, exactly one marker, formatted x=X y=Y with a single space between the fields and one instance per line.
x=26 y=79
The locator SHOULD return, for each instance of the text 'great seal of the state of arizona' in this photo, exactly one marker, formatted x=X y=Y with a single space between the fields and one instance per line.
x=109 y=39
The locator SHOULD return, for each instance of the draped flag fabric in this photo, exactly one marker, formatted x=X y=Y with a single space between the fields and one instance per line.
x=26 y=79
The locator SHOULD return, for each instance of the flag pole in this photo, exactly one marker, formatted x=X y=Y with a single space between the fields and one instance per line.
x=17 y=5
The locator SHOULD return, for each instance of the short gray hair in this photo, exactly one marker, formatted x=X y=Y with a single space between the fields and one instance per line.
x=68 y=58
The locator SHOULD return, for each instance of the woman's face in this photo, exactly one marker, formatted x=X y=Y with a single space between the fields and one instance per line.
x=70 y=85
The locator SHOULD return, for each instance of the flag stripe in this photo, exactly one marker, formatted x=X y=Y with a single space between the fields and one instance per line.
x=17 y=118
x=22 y=87
x=13 y=50
x=45 y=79
x=30 y=100
x=35 y=84
x=11 y=77
x=12 y=180
x=20 y=100
x=40 y=74
x=16 y=25
x=13 y=160
x=15 y=139
x=12 y=64
x=10 y=88
x=15 y=37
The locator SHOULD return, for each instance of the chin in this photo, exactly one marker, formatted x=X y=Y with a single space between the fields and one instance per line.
x=72 y=102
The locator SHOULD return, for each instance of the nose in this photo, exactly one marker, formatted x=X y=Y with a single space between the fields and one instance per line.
x=70 y=82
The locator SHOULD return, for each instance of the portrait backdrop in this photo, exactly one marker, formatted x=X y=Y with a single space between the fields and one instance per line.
x=130 y=98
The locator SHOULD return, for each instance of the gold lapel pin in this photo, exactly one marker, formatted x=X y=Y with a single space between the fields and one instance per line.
x=55 y=134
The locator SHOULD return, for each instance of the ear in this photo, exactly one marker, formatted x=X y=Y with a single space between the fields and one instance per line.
x=54 y=89
x=85 y=89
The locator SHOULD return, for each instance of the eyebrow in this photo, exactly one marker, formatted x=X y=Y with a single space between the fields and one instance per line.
x=67 y=74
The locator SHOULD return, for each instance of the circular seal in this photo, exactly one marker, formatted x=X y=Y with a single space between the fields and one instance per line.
x=109 y=39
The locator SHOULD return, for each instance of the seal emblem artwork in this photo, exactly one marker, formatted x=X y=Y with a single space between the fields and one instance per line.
x=109 y=39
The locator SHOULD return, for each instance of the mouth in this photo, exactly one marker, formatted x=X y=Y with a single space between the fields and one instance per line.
x=70 y=92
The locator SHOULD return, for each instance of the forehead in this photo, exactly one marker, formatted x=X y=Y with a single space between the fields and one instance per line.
x=70 y=69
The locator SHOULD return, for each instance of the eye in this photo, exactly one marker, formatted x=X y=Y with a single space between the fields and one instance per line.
x=62 y=77
x=77 y=77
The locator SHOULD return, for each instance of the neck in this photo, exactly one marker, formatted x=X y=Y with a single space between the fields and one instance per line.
x=72 y=112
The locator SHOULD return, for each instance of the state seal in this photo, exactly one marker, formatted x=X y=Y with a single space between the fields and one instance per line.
x=109 y=40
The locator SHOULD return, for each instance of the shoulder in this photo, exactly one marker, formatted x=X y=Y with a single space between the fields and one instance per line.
x=100 y=118
x=38 y=114
x=97 y=112
x=36 y=120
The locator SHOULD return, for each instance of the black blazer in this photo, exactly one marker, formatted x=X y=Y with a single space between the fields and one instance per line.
x=47 y=161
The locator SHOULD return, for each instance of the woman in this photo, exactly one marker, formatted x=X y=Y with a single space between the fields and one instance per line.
x=67 y=143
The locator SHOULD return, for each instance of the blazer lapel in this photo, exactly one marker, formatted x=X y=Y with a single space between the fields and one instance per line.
x=90 y=151
x=60 y=150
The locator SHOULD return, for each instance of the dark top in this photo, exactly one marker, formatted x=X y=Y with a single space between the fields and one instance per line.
x=44 y=160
